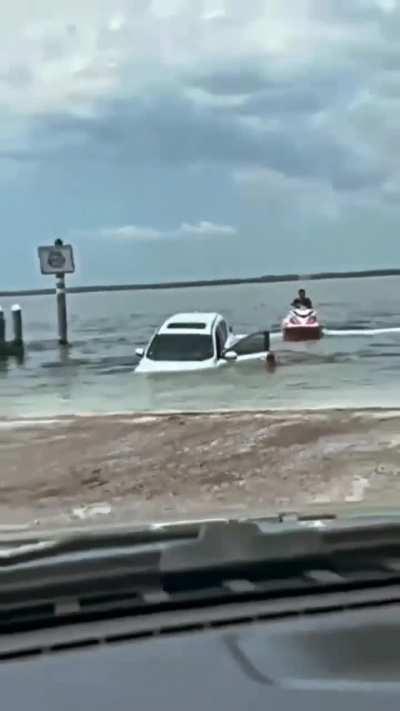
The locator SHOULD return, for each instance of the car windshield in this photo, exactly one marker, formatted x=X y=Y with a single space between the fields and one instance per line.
x=181 y=347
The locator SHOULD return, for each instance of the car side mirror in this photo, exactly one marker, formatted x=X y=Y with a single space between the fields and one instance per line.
x=139 y=352
x=230 y=356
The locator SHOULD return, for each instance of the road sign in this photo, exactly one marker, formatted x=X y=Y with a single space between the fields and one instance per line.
x=57 y=259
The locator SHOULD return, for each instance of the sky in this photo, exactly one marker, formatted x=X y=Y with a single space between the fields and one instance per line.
x=184 y=139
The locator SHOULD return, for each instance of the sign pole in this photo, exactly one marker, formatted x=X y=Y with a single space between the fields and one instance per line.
x=61 y=297
x=58 y=260
x=61 y=310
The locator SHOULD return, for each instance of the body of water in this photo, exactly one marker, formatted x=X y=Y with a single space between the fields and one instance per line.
x=356 y=364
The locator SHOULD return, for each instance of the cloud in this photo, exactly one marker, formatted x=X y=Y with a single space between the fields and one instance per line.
x=200 y=229
x=275 y=110
x=169 y=130
x=179 y=83
x=129 y=232
x=276 y=191
x=206 y=229
x=90 y=59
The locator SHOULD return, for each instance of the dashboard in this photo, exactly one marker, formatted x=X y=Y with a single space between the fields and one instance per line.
x=331 y=660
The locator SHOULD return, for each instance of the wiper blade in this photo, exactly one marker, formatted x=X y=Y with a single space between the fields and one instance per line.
x=98 y=579
x=214 y=543
x=109 y=560
x=237 y=543
x=14 y=551
x=89 y=561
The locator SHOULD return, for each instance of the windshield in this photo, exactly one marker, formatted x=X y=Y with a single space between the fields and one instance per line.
x=199 y=260
x=180 y=347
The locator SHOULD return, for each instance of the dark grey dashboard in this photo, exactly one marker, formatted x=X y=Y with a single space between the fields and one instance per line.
x=336 y=660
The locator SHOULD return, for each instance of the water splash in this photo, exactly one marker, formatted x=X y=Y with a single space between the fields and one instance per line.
x=360 y=331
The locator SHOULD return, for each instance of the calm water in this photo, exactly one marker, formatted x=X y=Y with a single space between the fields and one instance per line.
x=96 y=375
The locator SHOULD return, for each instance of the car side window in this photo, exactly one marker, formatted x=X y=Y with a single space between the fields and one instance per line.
x=255 y=343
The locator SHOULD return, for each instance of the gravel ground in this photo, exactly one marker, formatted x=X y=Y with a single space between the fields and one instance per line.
x=164 y=466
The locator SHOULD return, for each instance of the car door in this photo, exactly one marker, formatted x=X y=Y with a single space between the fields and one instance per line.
x=251 y=347
x=221 y=335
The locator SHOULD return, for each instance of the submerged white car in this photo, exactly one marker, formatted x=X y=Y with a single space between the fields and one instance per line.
x=197 y=341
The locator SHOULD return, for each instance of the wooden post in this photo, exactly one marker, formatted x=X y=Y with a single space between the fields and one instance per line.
x=2 y=328
x=17 y=325
x=61 y=310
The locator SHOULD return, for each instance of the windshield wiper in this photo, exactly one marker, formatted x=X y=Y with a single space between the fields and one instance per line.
x=214 y=543
x=25 y=549
x=194 y=548
x=81 y=578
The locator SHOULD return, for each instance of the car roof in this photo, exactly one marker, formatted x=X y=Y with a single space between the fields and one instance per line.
x=190 y=322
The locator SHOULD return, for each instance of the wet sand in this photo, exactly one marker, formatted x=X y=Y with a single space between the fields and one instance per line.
x=164 y=466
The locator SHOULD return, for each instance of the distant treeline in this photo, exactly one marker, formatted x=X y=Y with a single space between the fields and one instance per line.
x=266 y=279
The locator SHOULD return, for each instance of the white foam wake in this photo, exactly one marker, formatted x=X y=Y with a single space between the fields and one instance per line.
x=360 y=331
x=277 y=335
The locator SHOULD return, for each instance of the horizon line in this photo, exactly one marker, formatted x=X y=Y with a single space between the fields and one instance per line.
x=265 y=279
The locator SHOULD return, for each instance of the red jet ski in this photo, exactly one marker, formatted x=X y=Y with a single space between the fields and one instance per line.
x=301 y=324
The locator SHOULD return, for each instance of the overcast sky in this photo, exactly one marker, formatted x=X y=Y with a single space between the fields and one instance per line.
x=179 y=139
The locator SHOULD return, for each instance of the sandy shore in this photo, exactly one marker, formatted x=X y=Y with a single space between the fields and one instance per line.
x=146 y=467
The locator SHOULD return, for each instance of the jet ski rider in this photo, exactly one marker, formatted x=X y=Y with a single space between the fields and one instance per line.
x=302 y=300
